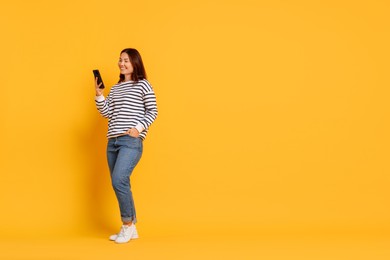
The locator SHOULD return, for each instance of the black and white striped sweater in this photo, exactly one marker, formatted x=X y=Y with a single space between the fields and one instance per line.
x=128 y=105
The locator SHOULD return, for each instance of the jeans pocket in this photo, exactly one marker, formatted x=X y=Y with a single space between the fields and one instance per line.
x=134 y=143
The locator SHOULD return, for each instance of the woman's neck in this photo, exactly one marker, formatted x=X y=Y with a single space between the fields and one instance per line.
x=127 y=77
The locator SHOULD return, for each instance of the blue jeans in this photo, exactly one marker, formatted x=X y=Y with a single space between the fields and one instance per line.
x=123 y=154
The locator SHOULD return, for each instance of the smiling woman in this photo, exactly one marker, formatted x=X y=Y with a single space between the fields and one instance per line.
x=274 y=114
x=131 y=66
x=130 y=108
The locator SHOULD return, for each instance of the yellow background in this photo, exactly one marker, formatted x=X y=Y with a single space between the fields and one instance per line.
x=273 y=119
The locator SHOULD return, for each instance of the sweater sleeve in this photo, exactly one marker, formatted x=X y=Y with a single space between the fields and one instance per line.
x=103 y=105
x=151 y=111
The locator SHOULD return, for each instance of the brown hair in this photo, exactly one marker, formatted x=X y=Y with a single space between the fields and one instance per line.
x=139 y=72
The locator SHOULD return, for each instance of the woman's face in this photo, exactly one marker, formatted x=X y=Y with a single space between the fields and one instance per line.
x=125 y=65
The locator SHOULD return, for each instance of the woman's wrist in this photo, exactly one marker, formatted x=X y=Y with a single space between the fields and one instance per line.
x=139 y=127
x=99 y=98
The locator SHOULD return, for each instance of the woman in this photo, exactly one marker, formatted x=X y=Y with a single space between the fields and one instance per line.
x=130 y=108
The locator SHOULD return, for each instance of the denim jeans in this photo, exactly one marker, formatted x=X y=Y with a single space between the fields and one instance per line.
x=123 y=154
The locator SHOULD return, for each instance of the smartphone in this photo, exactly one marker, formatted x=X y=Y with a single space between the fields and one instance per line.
x=96 y=73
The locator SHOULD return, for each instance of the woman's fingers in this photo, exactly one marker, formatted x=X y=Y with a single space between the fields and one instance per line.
x=133 y=132
x=97 y=89
x=96 y=83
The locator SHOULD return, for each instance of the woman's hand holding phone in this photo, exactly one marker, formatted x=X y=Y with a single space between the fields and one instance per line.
x=99 y=85
x=98 y=90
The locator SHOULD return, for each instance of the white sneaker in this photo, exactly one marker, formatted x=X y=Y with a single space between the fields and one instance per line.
x=126 y=233
x=115 y=236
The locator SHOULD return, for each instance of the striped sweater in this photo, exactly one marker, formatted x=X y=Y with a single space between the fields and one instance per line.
x=128 y=105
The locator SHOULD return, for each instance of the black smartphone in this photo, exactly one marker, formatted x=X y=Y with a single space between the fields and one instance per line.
x=96 y=73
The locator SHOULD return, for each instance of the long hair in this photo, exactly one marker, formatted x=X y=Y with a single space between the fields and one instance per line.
x=139 y=72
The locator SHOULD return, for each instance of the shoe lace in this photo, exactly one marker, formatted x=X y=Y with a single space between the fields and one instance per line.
x=122 y=232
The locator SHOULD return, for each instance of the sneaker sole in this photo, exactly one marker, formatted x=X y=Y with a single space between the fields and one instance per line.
x=133 y=237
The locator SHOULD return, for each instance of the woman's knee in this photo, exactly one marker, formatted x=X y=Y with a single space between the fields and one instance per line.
x=120 y=182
